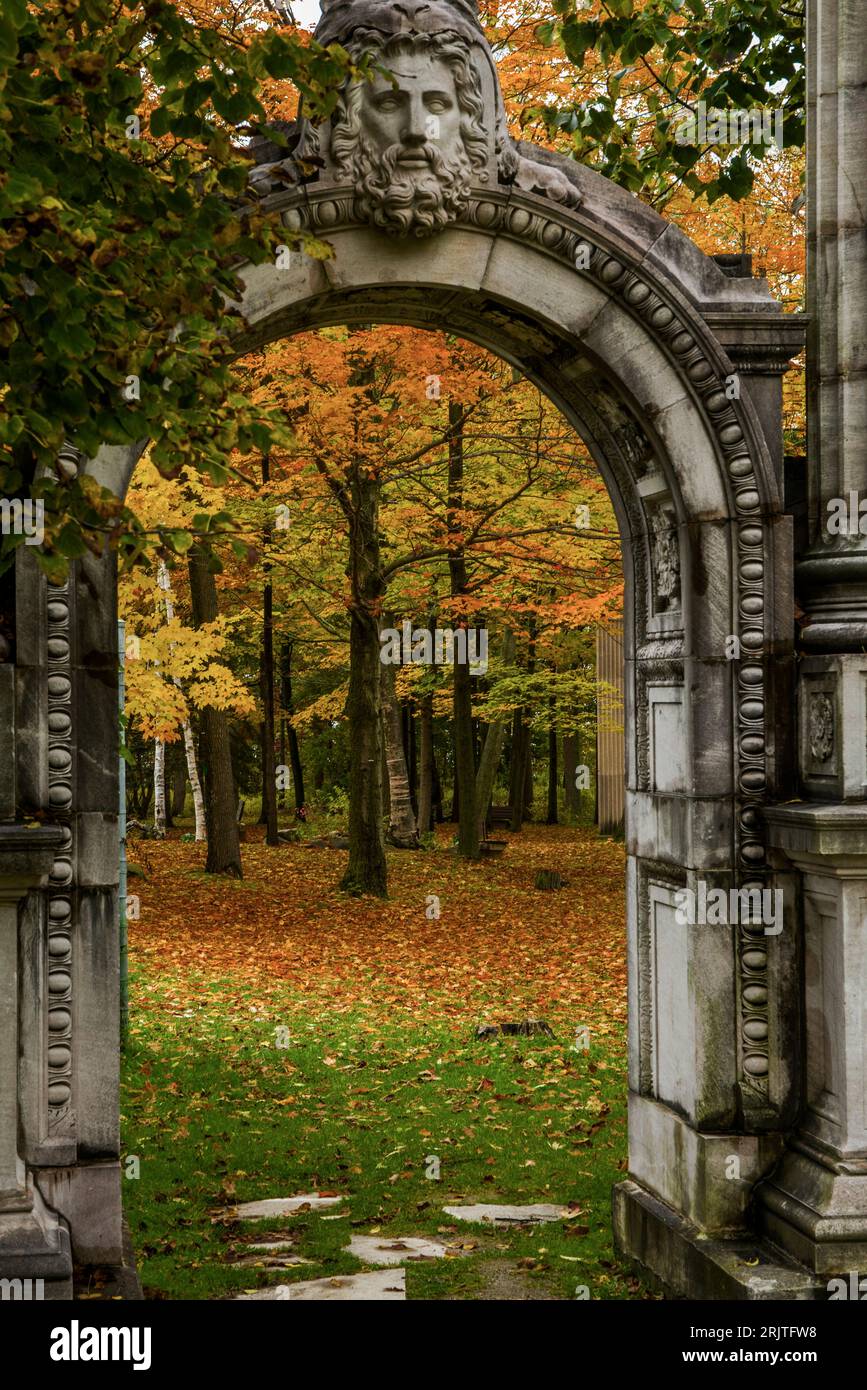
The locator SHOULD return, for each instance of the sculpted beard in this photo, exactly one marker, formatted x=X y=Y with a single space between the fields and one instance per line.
x=402 y=198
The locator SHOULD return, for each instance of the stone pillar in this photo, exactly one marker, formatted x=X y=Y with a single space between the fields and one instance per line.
x=815 y=1205
x=34 y=1241
x=832 y=576
x=60 y=697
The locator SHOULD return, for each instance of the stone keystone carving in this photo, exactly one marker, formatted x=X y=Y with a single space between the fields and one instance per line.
x=412 y=151
x=413 y=144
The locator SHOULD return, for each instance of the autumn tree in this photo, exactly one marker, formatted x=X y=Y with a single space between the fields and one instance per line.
x=124 y=219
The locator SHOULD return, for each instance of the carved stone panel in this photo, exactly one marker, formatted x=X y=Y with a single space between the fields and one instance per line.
x=819 y=728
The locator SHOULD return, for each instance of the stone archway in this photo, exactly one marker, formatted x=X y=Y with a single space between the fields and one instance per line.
x=670 y=369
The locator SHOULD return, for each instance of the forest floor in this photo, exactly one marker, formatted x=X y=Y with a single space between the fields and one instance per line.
x=285 y=1039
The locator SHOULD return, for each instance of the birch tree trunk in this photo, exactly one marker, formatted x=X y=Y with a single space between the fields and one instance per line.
x=189 y=745
x=221 y=818
x=493 y=748
x=160 y=788
x=195 y=784
x=402 y=828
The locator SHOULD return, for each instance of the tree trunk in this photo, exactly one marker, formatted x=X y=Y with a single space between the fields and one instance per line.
x=528 y=751
x=521 y=771
x=195 y=784
x=160 y=788
x=493 y=748
x=552 y=769
x=426 y=768
x=570 y=767
x=366 y=872
x=168 y=772
x=189 y=747
x=221 y=819
x=263 y=808
x=517 y=769
x=266 y=685
x=386 y=785
x=281 y=794
x=437 y=795
x=179 y=788
x=462 y=713
x=411 y=755
x=402 y=828
x=291 y=735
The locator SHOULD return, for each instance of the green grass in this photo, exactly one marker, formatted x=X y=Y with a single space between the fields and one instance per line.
x=217 y=1113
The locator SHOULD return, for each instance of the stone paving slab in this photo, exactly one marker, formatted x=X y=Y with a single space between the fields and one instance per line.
x=379 y=1286
x=508 y=1216
x=395 y=1250
x=269 y=1261
x=284 y=1206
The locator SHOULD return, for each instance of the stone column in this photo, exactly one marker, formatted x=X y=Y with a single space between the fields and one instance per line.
x=34 y=1242
x=815 y=1205
x=832 y=576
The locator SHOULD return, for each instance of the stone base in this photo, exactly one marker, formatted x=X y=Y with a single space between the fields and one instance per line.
x=35 y=1252
x=691 y=1172
x=89 y=1198
x=676 y=1257
x=816 y=1213
x=111 y=1282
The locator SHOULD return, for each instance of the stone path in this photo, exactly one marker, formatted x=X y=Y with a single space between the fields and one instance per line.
x=386 y=1284
x=285 y=1206
x=269 y=1261
x=395 y=1250
x=508 y=1216
x=379 y=1286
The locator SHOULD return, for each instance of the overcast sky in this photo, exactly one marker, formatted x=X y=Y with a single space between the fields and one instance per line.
x=306 y=11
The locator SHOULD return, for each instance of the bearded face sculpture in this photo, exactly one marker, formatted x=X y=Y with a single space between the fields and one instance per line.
x=412 y=146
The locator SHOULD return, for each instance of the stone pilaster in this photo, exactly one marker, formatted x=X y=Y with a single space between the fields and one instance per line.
x=34 y=1241
x=815 y=1205
x=832 y=576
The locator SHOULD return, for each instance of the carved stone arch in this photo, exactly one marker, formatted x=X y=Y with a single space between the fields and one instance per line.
x=638 y=338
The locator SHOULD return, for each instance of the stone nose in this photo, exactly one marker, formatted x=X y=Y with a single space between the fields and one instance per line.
x=415 y=123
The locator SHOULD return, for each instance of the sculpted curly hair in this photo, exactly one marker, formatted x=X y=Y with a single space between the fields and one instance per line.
x=450 y=49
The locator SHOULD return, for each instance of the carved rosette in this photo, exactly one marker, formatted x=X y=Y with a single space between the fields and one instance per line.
x=59 y=947
x=821 y=727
